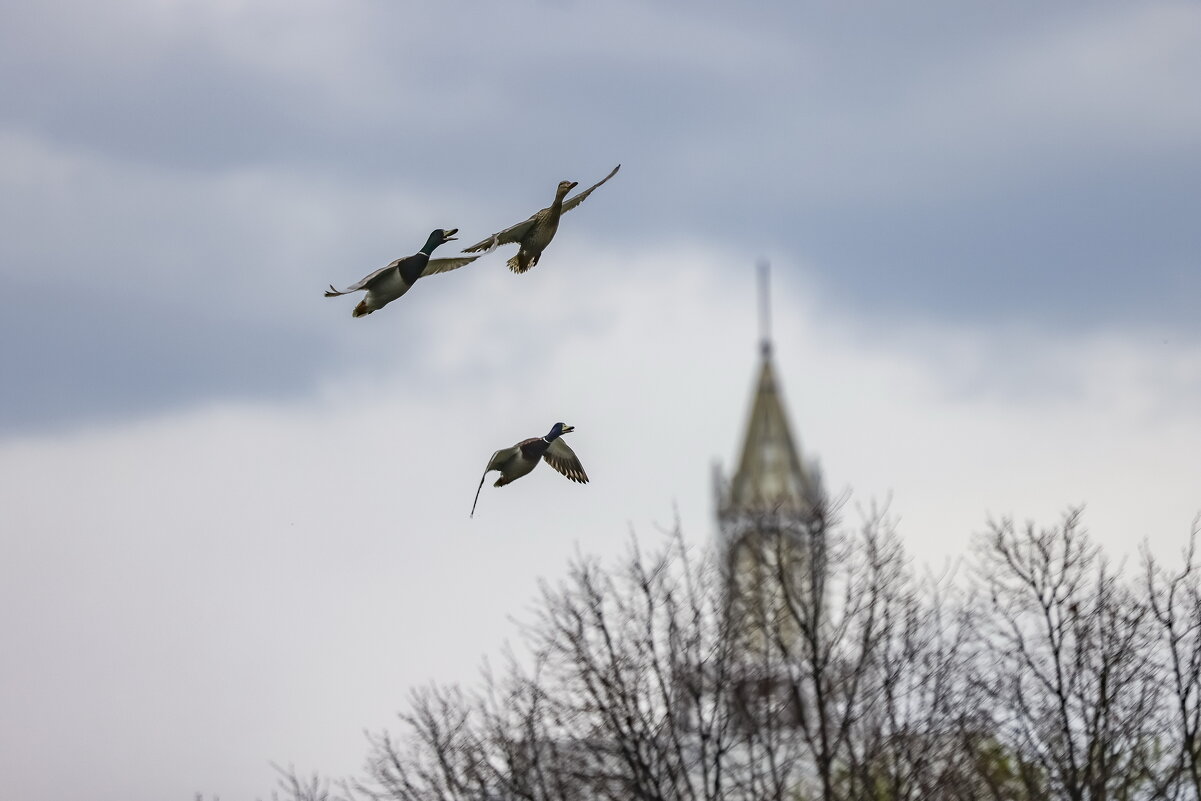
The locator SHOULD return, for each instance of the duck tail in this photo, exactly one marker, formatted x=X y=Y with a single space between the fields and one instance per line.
x=517 y=266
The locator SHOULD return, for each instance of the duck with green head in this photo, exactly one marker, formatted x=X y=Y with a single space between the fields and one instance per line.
x=390 y=282
x=517 y=461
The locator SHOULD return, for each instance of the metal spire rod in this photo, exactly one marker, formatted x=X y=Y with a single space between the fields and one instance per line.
x=765 y=307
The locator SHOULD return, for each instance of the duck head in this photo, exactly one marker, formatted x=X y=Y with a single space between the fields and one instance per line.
x=558 y=430
x=439 y=236
x=565 y=187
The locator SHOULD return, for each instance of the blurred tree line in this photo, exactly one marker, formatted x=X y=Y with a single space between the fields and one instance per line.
x=832 y=670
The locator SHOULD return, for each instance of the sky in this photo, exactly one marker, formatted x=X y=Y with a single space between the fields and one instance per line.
x=234 y=520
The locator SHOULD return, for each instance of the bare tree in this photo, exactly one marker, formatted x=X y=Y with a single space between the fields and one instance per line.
x=836 y=673
x=1070 y=680
x=875 y=660
x=1175 y=600
x=908 y=746
x=296 y=788
x=837 y=606
x=623 y=696
x=642 y=683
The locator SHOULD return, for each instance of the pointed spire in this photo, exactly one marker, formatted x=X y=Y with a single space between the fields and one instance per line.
x=765 y=308
x=771 y=474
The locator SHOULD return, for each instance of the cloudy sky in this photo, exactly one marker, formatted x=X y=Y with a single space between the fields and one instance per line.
x=233 y=520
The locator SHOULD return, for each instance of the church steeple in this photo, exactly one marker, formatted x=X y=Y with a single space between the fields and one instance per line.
x=772 y=477
x=771 y=512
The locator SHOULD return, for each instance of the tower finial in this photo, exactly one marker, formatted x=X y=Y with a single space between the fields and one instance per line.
x=764 y=308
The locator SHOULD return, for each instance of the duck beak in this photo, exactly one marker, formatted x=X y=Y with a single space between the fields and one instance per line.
x=574 y=184
x=446 y=235
x=568 y=429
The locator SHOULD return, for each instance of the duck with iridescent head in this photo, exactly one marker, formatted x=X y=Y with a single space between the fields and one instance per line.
x=517 y=461
x=390 y=282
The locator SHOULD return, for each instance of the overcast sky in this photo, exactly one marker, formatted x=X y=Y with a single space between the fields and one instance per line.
x=234 y=519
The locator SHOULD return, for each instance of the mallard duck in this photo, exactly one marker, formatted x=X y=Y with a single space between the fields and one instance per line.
x=515 y=462
x=388 y=283
x=536 y=233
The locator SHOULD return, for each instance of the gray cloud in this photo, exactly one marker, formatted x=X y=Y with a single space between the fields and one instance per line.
x=214 y=168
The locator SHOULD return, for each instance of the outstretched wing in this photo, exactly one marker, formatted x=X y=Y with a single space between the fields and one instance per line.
x=333 y=293
x=561 y=457
x=445 y=265
x=512 y=234
x=572 y=202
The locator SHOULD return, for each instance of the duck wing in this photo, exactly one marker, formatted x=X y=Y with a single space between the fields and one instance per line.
x=561 y=457
x=572 y=202
x=446 y=265
x=331 y=292
x=513 y=233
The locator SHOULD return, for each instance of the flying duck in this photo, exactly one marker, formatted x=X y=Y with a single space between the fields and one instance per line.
x=388 y=283
x=536 y=233
x=515 y=462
